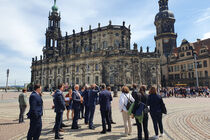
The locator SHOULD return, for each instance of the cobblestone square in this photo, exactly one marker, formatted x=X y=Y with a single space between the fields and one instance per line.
x=187 y=119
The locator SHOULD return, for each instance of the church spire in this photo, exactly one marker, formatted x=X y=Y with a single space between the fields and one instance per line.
x=163 y=5
x=54 y=7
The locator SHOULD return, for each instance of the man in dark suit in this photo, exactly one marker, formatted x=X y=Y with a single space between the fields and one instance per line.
x=59 y=108
x=76 y=97
x=110 y=113
x=85 y=97
x=82 y=103
x=105 y=99
x=35 y=113
x=92 y=101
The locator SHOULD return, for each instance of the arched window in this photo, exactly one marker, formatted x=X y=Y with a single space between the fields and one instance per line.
x=206 y=74
x=94 y=46
x=205 y=63
x=104 y=45
x=87 y=48
x=77 y=70
x=77 y=80
x=88 y=67
x=97 y=80
x=116 y=43
x=59 y=81
x=96 y=67
x=51 y=42
x=78 y=49
x=111 y=79
x=56 y=43
x=88 y=80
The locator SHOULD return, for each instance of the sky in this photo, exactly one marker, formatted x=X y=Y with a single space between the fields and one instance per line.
x=23 y=25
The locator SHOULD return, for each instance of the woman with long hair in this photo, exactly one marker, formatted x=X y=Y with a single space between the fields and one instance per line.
x=141 y=99
x=69 y=104
x=155 y=102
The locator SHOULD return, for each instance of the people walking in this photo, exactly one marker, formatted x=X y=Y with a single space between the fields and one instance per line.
x=22 y=99
x=105 y=99
x=59 y=103
x=125 y=97
x=35 y=113
x=156 y=109
x=141 y=99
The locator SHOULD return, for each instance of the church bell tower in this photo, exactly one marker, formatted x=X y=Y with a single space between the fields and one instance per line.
x=53 y=33
x=165 y=35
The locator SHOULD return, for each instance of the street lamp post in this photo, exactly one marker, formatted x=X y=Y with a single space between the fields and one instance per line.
x=7 y=80
x=196 y=70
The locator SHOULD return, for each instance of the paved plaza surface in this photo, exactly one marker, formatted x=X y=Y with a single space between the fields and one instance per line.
x=187 y=119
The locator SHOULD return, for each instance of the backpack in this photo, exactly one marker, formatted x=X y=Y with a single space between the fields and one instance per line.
x=129 y=103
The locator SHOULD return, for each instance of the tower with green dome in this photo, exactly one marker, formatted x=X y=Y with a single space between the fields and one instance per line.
x=54 y=7
x=53 y=33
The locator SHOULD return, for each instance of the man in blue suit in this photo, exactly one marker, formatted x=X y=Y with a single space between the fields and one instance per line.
x=77 y=99
x=85 y=97
x=82 y=103
x=105 y=99
x=92 y=101
x=59 y=103
x=35 y=113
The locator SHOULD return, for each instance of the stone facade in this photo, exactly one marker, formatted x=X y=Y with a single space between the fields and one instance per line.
x=101 y=55
x=181 y=68
x=177 y=64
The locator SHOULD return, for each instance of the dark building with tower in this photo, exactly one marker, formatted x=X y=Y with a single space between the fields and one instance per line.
x=100 y=55
x=104 y=55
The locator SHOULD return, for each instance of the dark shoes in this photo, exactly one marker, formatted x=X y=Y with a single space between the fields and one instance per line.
x=103 y=132
x=63 y=125
x=61 y=130
x=58 y=137
x=109 y=130
x=76 y=127
x=113 y=122
x=93 y=128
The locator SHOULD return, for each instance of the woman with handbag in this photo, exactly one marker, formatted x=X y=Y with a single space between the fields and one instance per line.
x=68 y=102
x=141 y=99
x=124 y=104
x=157 y=107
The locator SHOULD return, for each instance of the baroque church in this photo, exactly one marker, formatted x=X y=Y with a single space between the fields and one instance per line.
x=102 y=54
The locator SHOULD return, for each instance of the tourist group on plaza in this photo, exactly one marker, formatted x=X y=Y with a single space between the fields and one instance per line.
x=103 y=55
x=82 y=101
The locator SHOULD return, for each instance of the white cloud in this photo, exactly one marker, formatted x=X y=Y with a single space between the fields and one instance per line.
x=24 y=23
x=204 y=16
x=19 y=69
x=17 y=33
x=206 y=35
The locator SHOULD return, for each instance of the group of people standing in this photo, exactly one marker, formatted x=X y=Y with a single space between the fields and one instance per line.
x=79 y=100
x=141 y=101
x=185 y=92
x=86 y=99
